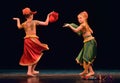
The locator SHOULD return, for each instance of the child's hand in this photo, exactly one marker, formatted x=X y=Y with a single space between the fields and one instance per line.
x=66 y=25
x=15 y=18
x=50 y=13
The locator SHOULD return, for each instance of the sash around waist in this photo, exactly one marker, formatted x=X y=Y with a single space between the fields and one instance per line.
x=31 y=36
x=88 y=38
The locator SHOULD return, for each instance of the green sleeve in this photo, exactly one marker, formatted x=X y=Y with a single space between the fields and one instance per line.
x=75 y=26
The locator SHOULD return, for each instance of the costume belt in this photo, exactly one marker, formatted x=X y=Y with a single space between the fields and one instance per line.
x=31 y=36
x=88 y=38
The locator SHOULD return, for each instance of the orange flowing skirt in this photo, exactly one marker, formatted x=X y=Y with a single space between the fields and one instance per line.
x=32 y=51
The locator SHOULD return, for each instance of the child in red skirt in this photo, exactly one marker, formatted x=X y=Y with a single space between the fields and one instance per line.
x=33 y=48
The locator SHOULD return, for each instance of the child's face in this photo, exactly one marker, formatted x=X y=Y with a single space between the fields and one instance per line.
x=81 y=19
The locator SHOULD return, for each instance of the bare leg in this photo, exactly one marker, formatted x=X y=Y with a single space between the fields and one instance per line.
x=33 y=69
x=91 y=71
x=29 y=72
x=83 y=73
x=85 y=66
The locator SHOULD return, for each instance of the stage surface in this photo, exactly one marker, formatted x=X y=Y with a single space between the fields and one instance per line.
x=58 y=76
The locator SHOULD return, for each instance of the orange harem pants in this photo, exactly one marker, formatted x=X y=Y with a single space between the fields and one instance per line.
x=32 y=51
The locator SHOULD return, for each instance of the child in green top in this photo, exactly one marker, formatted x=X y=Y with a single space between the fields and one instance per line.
x=88 y=52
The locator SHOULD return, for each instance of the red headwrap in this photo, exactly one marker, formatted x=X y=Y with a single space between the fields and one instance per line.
x=28 y=11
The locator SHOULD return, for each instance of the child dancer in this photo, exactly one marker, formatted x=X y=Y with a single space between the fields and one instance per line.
x=33 y=48
x=88 y=52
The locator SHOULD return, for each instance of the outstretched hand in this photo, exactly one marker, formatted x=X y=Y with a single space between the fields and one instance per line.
x=50 y=13
x=15 y=18
x=66 y=25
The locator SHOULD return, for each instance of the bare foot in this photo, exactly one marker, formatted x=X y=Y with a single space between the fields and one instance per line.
x=30 y=74
x=35 y=72
x=83 y=73
x=90 y=74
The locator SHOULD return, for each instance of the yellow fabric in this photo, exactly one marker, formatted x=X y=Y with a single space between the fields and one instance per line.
x=88 y=39
x=28 y=36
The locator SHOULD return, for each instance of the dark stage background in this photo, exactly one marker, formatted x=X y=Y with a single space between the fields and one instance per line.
x=63 y=43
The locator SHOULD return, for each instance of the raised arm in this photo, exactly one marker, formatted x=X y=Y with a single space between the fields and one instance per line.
x=72 y=28
x=18 y=23
x=44 y=23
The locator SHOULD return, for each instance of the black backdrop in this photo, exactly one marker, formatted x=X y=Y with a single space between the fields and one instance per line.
x=63 y=43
